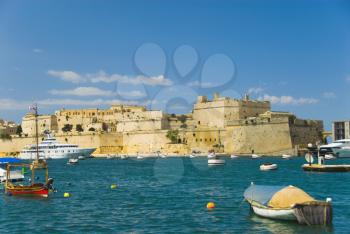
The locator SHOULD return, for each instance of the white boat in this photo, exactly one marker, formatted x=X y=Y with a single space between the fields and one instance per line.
x=286 y=156
x=216 y=161
x=343 y=152
x=15 y=175
x=123 y=157
x=139 y=157
x=339 y=148
x=268 y=166
x=73 y=161
x=288 y=203
x=255 y=156
x=329 y=156
x=211 y=155
x=111 y=156
x=51 y=149
x=192 y=156
x=233 y=156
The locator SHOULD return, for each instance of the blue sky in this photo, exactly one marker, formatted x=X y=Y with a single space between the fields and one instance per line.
x=163 y=53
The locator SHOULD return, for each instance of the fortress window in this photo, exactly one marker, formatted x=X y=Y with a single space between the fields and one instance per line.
x=199 y=122
x=205 y=139
x=210 y=139
x=200 y=140
x=194 y=134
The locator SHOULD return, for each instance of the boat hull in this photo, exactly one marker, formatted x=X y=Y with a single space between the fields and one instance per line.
x=281 y=214
x=326 y=168
x=85 y=152
x=216 y=162
x=28 y=191
x=342 y=153
x=268 y=167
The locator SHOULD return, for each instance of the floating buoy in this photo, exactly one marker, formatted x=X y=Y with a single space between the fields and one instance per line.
x=66 y=194
x=210 y=205
x=113 y=186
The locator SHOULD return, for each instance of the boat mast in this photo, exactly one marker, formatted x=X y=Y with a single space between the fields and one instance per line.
x=35 y=108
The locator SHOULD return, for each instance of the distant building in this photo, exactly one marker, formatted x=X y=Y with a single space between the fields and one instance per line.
x=341 y=130
x=8 y=127
x=240 y=126
x=45 y=123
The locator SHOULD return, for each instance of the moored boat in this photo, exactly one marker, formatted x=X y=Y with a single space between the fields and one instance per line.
x=73 y=161
x=233 y=156
x=51 y=148
x=33 y=189
x=215 y=161
x=268 y=166
x=326 y=168
x=254 y=156
x=288 y=203
x=15 y=175
x=286 y=156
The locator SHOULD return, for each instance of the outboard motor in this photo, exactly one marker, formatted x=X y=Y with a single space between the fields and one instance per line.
x=49 y=184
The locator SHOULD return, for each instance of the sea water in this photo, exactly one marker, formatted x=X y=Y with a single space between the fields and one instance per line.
x=168 y=195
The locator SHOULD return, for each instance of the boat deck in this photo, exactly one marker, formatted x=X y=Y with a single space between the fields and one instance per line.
x=326 y=168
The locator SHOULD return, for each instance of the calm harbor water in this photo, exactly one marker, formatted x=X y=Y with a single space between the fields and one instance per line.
x=168 y=196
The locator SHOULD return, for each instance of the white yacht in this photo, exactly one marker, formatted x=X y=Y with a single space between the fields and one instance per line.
x=50 y=148
x=339 y=148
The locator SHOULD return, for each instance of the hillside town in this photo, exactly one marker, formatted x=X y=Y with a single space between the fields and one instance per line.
x=222 y=124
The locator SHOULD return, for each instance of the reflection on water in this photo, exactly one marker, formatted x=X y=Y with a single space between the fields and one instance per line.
x=286 y=227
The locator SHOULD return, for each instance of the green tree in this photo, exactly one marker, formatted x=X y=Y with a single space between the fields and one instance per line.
x=182 y=118
x=5 y=136
x=19 y=130
x=79 y=128
x=172 y=136
x=67 y=128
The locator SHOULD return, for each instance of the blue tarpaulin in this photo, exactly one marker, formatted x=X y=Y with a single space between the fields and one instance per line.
x=9 y=160
x=261 y=193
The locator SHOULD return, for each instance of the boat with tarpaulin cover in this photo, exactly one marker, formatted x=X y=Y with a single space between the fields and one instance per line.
x=288 y=203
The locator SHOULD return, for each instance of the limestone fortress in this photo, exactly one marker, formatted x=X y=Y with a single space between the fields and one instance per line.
x=223 y=124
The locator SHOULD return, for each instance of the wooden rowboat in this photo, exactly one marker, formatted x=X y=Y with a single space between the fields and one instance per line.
x=33 y=189
x=288 y=203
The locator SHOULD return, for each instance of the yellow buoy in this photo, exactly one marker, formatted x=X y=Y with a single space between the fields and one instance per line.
x=66 y=195
x=210 y=205
x=113 y=186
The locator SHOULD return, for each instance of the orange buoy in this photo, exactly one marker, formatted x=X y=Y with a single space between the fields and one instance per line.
x=210 y=205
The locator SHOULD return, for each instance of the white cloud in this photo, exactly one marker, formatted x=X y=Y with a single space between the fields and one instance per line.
x=329 y=95
x=103 y=77
x=93 y=91
x=288 y=100
x=38 y=51
x=83 y=91
x=201 y=84
x=69 y=76
x=134 y=93
x=11 y=104
x=255 y=90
